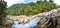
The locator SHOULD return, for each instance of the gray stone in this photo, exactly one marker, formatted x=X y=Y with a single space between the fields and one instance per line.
x=58 y=26
x=58 y=21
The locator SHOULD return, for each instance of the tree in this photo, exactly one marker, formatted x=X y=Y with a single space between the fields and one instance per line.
x=45 y=0
x=31 y=8
x=2 y=10
x=51 y=1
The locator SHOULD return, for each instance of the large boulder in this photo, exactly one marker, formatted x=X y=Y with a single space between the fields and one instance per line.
x=55 y=18
x=52 y=19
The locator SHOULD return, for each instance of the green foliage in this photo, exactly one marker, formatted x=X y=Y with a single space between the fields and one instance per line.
x=45 y=0
x=51 y=1
x=31 y=8
x=2 y=11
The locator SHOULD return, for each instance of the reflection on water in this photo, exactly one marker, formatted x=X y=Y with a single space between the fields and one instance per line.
x=30 y=24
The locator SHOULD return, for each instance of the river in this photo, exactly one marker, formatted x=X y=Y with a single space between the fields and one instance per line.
x=30 y=24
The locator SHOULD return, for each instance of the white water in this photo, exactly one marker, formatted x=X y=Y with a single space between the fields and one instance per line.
x=30 y=24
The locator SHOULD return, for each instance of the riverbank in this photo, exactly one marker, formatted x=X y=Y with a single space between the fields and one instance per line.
x=54 y=13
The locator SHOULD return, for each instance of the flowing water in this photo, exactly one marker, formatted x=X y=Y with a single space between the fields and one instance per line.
x=30 y=24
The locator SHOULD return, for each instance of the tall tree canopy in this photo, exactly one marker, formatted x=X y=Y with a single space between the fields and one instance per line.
x=31 y=8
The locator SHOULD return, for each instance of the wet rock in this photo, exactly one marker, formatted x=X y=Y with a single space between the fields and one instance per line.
x=50 y=20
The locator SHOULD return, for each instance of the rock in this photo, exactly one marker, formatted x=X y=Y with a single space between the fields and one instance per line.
x=58 y=26
x=58 y=21
x=50 y=19
x=55 y=17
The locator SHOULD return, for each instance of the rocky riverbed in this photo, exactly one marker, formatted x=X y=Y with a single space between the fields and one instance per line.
x=53 y=15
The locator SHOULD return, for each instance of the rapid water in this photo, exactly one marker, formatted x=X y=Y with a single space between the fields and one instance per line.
x=30 y=24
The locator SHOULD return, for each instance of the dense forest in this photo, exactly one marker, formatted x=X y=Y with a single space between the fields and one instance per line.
x=31 y=8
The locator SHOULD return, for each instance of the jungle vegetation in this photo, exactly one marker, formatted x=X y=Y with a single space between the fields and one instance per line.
x=31 y=8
